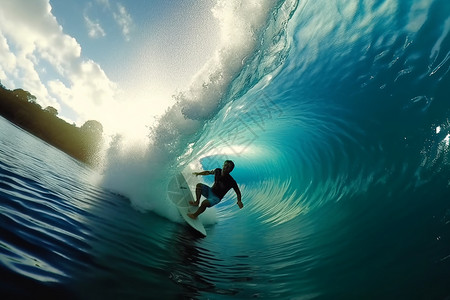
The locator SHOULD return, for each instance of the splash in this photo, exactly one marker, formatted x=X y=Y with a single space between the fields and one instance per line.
x=140 y=170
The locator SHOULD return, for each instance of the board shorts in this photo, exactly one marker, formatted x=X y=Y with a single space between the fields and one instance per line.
x=208 y=194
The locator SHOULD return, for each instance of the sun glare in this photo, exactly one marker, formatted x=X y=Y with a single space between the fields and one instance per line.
x=133 y=118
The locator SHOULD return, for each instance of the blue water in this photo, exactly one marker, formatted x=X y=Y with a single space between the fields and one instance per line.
x=338 y=123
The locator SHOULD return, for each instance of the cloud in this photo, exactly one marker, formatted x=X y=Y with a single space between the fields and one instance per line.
x=31 y=39
x=90 y=91
x=119 y=15
x=104 y=3
x=8 y=60
x=124 y=20
x=95 y=30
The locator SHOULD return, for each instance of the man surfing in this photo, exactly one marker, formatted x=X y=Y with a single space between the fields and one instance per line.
x=223 y=182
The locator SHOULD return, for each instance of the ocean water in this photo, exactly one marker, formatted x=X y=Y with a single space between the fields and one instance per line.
x=336 y=114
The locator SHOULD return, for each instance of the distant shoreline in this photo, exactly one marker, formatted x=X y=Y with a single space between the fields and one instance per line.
x=82 y=143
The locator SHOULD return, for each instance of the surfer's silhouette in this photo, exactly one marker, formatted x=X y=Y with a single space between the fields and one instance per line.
x=223 y=182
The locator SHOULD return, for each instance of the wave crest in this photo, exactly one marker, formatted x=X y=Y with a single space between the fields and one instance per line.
x=242 y=24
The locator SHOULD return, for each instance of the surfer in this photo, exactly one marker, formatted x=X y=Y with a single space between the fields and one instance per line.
x=223 y=182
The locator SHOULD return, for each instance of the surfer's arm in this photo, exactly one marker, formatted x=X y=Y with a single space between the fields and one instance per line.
x=238 y=195
x=203 y=173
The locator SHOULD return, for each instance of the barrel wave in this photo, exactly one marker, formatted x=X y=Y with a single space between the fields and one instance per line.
x=336 y=115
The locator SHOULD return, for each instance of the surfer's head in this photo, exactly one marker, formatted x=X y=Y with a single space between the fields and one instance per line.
x=228 y=166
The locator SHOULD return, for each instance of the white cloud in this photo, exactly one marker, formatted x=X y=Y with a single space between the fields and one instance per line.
x=30 y=35
x=119 y=14
x=95 y=30
x=90 y=92
x=8 y=60
x=124 y=20
x=105 y=3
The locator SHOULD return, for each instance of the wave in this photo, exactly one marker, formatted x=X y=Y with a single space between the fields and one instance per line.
x=252 y=39
x=304 y=107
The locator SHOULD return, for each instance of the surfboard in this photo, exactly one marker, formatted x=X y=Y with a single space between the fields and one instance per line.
x=180 y=194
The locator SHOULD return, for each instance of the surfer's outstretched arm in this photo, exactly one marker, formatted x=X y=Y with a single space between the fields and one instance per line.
x=203 y=173
x=238 y=195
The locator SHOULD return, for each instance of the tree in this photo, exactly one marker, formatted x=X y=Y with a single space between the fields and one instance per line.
x=50 y=109
x=91 y=137
x=93 y=126
x=24 y=95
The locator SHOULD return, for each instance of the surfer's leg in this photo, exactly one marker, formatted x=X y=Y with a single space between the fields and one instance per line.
x=200 y=210
x=198 y=194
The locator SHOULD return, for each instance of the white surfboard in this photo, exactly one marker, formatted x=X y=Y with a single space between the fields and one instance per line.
x=180 y=194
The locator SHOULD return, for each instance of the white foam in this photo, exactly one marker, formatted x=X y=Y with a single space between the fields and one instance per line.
x=240 y=23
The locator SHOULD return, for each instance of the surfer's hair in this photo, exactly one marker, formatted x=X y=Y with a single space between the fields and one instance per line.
x=231 y=163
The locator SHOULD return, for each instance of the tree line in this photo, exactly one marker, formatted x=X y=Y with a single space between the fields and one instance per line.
x=20 y=107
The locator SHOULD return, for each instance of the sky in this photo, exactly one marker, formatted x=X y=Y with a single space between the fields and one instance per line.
x=115 y=61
